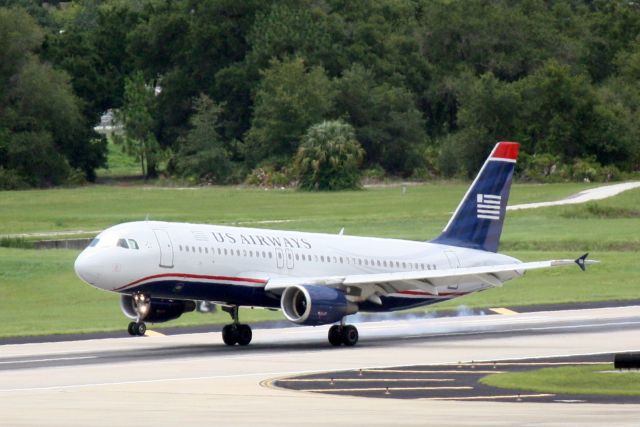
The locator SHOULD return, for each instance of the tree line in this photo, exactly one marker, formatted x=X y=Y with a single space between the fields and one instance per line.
x=264 y=92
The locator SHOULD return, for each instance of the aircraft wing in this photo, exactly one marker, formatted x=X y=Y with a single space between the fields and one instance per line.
x=430 y=280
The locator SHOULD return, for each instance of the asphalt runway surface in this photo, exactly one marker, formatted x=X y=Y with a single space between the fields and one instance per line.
x=193 y=379
x=454 y=381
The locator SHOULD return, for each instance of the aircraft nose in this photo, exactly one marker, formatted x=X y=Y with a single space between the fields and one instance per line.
x=87 y=269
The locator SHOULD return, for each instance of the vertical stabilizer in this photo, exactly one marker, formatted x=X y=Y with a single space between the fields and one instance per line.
x=477 y=222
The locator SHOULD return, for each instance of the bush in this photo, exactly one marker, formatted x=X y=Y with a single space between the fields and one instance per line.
x=589 y=170
x=11 y=180
x=329 y=157
x=268 y=176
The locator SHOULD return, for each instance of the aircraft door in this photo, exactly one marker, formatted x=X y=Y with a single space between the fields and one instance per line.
x=289 y=256
x=454 y=262
x=280 y=258
x=166 y=248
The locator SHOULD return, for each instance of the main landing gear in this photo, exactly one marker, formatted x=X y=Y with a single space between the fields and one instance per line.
x=343 y=334
x=235 y=333
x=142 y=304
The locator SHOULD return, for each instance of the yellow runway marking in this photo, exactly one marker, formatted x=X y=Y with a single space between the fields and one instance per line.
x=390 y=389
x=511 y=396
x=504 y=311
x=154 y=334
x=400 y=371
x=381 y=380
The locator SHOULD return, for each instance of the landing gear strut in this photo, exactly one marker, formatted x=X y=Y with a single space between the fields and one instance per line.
x=141 y=304
x=343 y=334
x=235 y=333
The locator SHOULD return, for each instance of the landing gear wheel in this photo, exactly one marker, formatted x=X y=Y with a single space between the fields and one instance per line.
x=138 y=329
x=335 y=335
x=244 y=334
x=349 y=335
x=230 y=334
x=142 y=329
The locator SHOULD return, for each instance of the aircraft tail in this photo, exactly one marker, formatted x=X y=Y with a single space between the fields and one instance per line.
x=477 y=222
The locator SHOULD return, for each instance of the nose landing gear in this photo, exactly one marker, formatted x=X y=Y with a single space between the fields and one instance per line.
x=235 y=333
x=142 y=305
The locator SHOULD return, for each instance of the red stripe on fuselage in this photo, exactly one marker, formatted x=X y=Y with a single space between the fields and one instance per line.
x=507 y=150
x=193 y=276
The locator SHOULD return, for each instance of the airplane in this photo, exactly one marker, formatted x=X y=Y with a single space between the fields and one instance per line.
x=163 y=269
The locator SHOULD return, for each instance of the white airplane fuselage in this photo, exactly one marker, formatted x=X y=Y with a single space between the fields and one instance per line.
x=231 y=265
x=162 y=268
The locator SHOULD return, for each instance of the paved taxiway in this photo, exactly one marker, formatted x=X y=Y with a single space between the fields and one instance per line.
x=194 y=379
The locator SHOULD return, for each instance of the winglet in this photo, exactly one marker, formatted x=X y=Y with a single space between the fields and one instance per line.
x=581 y=261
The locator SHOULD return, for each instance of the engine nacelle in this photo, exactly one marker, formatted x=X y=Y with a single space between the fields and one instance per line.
x=315 y=305
x=158 y=310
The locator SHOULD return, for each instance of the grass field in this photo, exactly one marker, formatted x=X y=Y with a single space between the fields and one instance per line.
x=41 y=295
x=119 y=163
x=591 y=379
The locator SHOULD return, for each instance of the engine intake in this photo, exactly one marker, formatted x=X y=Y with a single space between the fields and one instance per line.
x=315 y=305
x=155 y=310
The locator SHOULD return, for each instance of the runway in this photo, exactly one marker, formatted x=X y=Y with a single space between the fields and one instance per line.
x=194 y=379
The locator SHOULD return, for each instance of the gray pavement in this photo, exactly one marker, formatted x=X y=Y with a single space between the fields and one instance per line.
x=194 y=379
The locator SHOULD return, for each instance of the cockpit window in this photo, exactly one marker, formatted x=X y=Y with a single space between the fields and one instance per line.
x=94 y=242
x=123 y=243
x=133 y=244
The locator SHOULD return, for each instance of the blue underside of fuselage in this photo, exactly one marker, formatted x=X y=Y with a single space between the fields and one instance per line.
x=254 y=296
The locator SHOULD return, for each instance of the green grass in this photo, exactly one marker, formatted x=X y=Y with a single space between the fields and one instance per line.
x=419 y=214
x=590 y=379
x=119 y=164
x=42 y=295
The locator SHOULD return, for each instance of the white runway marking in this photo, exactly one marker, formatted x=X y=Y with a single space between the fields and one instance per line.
x=47 y=360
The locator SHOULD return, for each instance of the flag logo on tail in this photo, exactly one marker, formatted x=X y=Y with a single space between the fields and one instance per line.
x=488 y=206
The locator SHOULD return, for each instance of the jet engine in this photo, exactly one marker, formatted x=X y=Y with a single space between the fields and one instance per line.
x=154 y=310
x=315 y=305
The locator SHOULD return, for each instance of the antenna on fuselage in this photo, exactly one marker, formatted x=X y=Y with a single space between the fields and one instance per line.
x=341 y=232
x=146 y=218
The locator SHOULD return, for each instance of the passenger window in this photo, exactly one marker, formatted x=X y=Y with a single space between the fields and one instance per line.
x=270 y=254
x=225 y=251
x=193 y=248
x=123 y=243
x=200 y=249
x=322 y=258
x=238 y=252
x=297 y=257
x=206 y=250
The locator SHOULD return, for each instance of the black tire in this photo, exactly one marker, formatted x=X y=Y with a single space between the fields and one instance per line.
x=244 y=334
x=335 y=335
x=350 y=335
x=230 y=334
x=141 y=329
x=132 y=328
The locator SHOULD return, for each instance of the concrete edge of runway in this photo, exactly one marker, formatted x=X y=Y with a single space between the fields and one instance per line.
x=177 y=330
